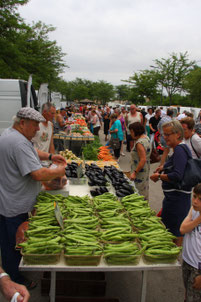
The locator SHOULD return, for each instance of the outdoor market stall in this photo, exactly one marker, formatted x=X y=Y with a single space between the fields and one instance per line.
x=75 y=136
x=110 y=225
x=102 y=267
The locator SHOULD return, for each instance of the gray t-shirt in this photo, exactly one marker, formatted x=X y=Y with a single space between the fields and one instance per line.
x=18 y=190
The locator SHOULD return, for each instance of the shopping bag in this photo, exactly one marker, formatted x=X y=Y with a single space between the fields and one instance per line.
x=154 y=156
x=114 y=143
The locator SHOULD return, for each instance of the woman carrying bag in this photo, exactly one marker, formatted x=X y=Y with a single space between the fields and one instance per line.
x=116 y=135
x=177 y=201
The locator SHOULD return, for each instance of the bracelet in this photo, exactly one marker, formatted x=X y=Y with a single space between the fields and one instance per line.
x=50 y=156
x=3 y=275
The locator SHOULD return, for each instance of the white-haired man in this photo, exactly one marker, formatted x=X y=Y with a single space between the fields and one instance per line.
x=21 y=174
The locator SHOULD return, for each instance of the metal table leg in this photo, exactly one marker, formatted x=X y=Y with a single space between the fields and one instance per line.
x=53 y=286
x=144 y=286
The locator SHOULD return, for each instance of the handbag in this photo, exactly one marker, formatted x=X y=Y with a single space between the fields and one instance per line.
x=154 y=156
x=192 y=173
x=114 y=143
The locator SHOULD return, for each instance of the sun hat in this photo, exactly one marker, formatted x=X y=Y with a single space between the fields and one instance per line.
x=31 y=114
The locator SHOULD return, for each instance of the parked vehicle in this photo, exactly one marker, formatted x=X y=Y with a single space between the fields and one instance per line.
x=14 y=95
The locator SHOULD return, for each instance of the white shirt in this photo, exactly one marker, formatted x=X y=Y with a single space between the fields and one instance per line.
x=192 y=244
x=195 y=141
x=180 y=116
x=43 y=137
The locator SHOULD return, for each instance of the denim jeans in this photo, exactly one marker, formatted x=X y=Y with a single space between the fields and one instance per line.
x=10 y=256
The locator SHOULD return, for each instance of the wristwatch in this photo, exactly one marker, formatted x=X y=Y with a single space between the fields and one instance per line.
x=159 y=176
x=50 y=156
x=3 y=275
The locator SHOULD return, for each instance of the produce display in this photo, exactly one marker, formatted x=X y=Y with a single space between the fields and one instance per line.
x=72 y=170
x=95 y=175
x=81 y=243
x=156 y=241
x=119 y=182
x=102 y=164
x=77 y=128
x=104 y=153
x=119 y=230
x=67 y=154
x=44 y=233
x=122 y=253
x=90 y=151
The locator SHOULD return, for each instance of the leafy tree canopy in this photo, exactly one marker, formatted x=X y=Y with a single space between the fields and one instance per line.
x=172 y=71
x=26 y=49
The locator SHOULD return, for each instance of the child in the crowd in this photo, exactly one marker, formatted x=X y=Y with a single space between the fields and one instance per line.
x=191 y=227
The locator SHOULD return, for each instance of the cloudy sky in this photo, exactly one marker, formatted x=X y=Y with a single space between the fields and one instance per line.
x=111 y=39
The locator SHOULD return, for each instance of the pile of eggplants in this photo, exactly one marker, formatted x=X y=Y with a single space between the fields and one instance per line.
x=119 y=182
x=71 y=170
x=96 y=178
x=95 y=175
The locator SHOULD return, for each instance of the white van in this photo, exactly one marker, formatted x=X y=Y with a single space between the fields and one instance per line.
x=13 y=96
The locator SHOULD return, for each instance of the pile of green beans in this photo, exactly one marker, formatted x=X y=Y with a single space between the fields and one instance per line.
x=115 y=226
x=44 y=233
x=122 y=253
x=80 y=234
x=156 y=241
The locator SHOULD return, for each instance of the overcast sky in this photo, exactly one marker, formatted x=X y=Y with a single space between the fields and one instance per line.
x=111 y=39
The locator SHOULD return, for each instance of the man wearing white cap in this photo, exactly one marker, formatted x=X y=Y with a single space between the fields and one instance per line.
x=21 y=174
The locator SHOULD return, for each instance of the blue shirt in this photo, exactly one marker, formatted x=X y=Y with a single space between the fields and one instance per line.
x=119 y=133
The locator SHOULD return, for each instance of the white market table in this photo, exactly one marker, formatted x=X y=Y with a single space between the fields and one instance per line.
x=102 y=267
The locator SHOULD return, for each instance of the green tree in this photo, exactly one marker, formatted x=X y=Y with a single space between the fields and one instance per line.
x=103 y=91
x=145 y=83
x=26 y=49
x=172 y=71
x=192 y=84
x=122 y=92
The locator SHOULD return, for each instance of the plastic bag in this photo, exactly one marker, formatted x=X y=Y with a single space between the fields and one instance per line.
x=55 y=184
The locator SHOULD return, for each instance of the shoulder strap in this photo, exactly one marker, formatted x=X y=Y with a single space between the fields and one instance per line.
x=185 y=147
x=193 y=147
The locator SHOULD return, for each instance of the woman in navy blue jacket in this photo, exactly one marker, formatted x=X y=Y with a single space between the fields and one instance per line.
x=177 y=201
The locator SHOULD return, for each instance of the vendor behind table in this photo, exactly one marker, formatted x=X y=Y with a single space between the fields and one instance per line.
x=20 y=181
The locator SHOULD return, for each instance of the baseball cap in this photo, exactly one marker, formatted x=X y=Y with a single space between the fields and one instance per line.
x=31 y=114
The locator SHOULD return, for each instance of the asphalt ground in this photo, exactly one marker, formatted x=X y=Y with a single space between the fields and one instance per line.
x=162 y=285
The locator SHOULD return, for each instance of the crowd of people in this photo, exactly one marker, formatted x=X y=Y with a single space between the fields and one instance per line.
x=29 y=144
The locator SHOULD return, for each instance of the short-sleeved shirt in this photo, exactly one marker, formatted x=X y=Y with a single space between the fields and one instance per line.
x=18 y=190
x=154 y=122
x=194 y=144
x=119 y=134
x=43 y=137
x=192 y=244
